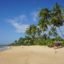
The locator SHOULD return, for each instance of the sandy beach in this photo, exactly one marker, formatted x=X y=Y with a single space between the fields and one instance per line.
x=32 y=55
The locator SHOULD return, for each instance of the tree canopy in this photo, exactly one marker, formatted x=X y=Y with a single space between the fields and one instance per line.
x=49 y=21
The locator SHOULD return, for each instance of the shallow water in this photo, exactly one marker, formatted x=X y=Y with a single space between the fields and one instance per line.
x=2 y=48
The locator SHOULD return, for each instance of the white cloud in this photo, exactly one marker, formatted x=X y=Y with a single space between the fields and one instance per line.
x=19 y=26
x=20 y=23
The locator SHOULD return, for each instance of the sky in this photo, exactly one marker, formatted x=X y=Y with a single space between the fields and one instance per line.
x=17 y=15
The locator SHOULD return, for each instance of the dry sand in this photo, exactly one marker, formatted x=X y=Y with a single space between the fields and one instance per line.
x=32 y=55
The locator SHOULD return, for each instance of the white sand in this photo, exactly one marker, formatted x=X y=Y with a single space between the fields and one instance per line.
x=32 y=55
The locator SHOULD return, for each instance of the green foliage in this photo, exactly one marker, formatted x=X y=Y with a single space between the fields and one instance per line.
x=36 y=34
x=31 y=31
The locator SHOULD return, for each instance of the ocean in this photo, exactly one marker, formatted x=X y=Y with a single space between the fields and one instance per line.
x=2 y=48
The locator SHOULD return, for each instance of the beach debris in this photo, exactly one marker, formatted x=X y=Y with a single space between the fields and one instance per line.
x=57 y=44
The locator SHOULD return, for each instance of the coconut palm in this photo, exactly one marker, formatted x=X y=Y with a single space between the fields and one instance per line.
x=53 y=17
x=38 y=32
x=44 y=16
x=31 y=31
x=57 y=17
x=44 y=20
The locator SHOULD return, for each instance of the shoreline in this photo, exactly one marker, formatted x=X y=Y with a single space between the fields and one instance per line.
x=4 y=48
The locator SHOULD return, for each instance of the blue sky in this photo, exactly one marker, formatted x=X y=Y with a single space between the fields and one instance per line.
x=17 y=15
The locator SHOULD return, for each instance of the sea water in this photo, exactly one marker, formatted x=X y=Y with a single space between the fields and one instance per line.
x=2 y=48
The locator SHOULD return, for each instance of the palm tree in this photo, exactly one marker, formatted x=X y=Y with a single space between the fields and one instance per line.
x=38 y=32
x=28 y=31
x=53 y=32
x=57 y=17
x=44 y=19
x=44 y=13
x=49 y=18
x=31 y=31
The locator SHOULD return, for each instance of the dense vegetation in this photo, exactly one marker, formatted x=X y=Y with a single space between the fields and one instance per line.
x=45 y=32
